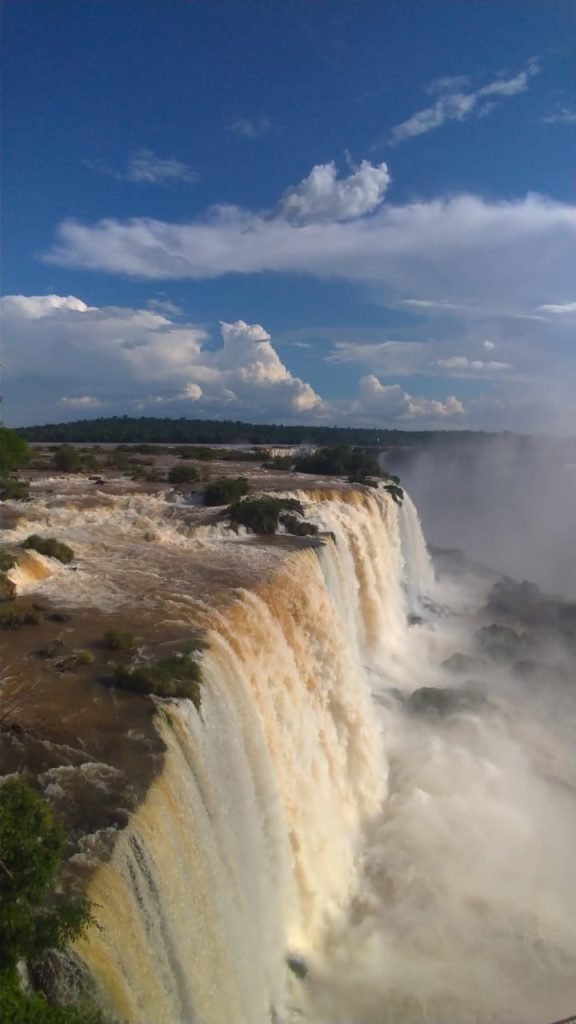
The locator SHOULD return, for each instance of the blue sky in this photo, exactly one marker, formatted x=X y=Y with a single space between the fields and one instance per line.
x=328 y=211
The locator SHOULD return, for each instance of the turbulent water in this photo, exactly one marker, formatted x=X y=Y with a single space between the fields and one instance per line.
x=315 y=850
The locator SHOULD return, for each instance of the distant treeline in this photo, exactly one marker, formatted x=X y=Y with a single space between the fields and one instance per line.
x=153 y=430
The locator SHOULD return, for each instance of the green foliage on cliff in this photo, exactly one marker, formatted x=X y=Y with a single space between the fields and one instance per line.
x=340 y=460
x=34 y=914
x=177 y=676
x=225 y=490
x=396 y=492
x=264 y=515
x=50 y=547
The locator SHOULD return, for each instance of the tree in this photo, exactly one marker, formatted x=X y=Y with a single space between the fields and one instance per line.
x=34 y=916
x=14 y=452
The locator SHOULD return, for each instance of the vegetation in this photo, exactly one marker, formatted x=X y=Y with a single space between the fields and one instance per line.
x=147 y=429
x=67 y=459
x=35 y=916
x=50 y=547
x=12 y=489
x=396 y=492
x=115 y=640
x=226 y=490
x=14 y=452
x=264 y=515
x=18 y=613
x=183 y=475
x=339 y=460
x=177 y=676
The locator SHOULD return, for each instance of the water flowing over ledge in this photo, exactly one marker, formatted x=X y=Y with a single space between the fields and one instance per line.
x=308 y=851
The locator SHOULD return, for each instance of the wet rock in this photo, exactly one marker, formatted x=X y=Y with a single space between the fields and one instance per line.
x=501 y=643
x=443 y=701
x=461 y=663
x=297 y=965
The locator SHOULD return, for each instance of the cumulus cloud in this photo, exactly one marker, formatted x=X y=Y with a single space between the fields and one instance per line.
x=251 y=128
x=114 y=355
x=457 y=103
x=464 y=250
x=384 y=400
x=323 y=196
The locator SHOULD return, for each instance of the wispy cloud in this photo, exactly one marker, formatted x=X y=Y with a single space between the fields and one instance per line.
x=146 y=167
x=559 y=308
x=563 y=116
x=251 y=128
x=456 y=102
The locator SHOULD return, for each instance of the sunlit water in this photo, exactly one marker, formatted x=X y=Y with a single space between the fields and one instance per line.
x=414 y=868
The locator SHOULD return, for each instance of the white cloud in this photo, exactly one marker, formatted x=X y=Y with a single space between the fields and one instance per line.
x=322 y=196
x=505 y=255
x=565 y=115
x=488 y=345
x=146 y=167
x=456 y=104
x=464 y=365
x=385 y=400
x=113 y=355
x=251 y=128
x=561 y=308
x=83 y=402
x=448 y=84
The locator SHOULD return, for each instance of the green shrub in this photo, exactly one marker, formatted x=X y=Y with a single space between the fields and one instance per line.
x=35 y=915
x=50 y=547
x=298 y=527
x=14 y=452
x=18 y=613
x=177 y=676
x=67 y=459
x=339 y=460
x=183 y=475
x=262 y=515
x=280 y=462
x=119 y=460
x=83 y=657
x=226 y=490
x=12 y=489
x=115 y=640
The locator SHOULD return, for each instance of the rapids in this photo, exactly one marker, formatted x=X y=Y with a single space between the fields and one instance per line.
x=412 y=868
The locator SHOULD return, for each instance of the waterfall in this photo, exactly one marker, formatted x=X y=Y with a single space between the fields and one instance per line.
x=245 y=847
x=418 y=569
x=414 y=867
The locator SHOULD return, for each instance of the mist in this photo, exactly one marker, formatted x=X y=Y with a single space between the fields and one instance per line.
x=507 y=502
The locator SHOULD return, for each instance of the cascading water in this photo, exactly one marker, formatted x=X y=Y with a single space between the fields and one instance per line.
x=414 y=867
